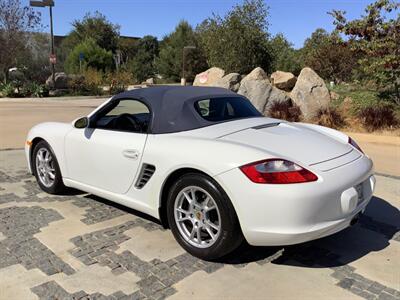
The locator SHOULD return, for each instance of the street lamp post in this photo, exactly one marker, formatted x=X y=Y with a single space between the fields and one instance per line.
x=183 y=79
x=50 y=4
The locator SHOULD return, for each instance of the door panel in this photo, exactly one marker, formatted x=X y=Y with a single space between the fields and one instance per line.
x=105 y=159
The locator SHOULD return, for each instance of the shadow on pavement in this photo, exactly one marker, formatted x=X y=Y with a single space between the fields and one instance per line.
x=123 y=208
x=72 y=192
x=372 y=233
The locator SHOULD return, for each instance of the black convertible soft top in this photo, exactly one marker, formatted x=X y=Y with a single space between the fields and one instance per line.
x=172 y=107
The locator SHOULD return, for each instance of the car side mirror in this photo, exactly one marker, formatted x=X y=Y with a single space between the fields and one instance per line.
x=81 y=123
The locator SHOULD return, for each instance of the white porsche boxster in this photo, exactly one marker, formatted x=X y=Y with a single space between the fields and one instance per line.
x=209 y=166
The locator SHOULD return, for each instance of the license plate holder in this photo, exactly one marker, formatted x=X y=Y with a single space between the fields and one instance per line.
x=360 y=192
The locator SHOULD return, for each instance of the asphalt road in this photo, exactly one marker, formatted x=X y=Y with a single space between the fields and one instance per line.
x=18 y=116
x=81 y=246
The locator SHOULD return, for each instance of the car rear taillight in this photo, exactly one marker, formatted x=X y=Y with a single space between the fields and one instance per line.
x=355 y=145
x=277 y=171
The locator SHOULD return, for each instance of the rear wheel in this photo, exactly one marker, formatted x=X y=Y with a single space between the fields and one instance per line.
x=202 y=217
x=46 y=169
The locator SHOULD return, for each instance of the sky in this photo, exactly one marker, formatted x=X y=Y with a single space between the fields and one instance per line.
x=295 y=19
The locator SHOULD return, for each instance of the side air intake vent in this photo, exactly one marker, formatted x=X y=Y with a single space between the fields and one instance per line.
x=145 y=174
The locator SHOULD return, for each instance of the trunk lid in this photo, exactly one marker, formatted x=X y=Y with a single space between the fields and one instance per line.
x=291 y=141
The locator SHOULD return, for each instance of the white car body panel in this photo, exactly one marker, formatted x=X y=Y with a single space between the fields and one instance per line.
x=54 y=133
x=104 y=159
x=272 y=215
x=301 y=147
x=93 y=160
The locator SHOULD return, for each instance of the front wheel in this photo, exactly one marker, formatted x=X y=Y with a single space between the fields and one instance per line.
x=46 y=169
x=202 y=217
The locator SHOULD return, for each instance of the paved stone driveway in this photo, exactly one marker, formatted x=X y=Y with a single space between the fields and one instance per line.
x=84 y=247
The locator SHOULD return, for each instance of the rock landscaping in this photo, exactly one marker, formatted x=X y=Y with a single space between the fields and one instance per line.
x=308 y=91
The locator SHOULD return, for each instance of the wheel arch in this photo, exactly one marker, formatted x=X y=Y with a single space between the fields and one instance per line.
x=35 y=141
x=168 y=182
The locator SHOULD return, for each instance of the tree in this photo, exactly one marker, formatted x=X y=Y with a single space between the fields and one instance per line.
x=142 y=64
x=16 y=21
x=284 y=56
x=329 y=56
x=237 y=42
x=94 y=57
x=169 y=63
x=35 y=64
x=377 y=36
x=97 y=27
x=127 y=48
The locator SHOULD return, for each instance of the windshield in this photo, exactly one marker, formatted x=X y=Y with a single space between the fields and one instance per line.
x=225 y=108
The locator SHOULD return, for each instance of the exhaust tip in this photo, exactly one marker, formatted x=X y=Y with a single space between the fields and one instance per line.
x=354 y=220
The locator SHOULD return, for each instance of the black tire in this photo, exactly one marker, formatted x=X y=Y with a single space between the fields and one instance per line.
x=57 y=187
x=230 y=236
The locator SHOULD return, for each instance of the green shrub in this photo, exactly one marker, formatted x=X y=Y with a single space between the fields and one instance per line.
x=34 y=89
x=8 y=90
x=362 y=96
x=382 y=116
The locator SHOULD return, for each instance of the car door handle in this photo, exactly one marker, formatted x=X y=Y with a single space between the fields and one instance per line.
x=130 y=153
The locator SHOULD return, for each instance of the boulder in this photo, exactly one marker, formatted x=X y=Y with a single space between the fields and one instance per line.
x=257 y=91
x=63 y=81
x=257 y=74
x=257 y=88
x=209 y=77
x=310 y=93
x=230 y=82
x=276 y=96
x=283 y=80
x=150 y=81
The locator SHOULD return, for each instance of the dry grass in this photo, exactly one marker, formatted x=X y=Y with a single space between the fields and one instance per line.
x=285 y=111
x=378 y=117
x=330 y=117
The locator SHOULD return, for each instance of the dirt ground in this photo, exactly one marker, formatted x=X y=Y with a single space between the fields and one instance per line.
x=18 y=116
x=383 y=149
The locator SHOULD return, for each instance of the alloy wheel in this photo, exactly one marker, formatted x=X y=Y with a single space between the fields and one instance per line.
x=45 y=167
x=197 y=217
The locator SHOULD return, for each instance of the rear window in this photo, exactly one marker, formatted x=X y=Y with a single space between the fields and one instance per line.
x=225 y=108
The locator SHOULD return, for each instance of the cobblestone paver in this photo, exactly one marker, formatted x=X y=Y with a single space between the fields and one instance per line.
x=25 y=212
x=52 y=290
x=19 y=224
x=17 y=177
x=96 y=210
x=157 y=276
x=348 y=277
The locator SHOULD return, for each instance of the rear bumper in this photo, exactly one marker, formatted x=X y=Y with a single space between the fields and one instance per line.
x=290 y=214
x=266 y=238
